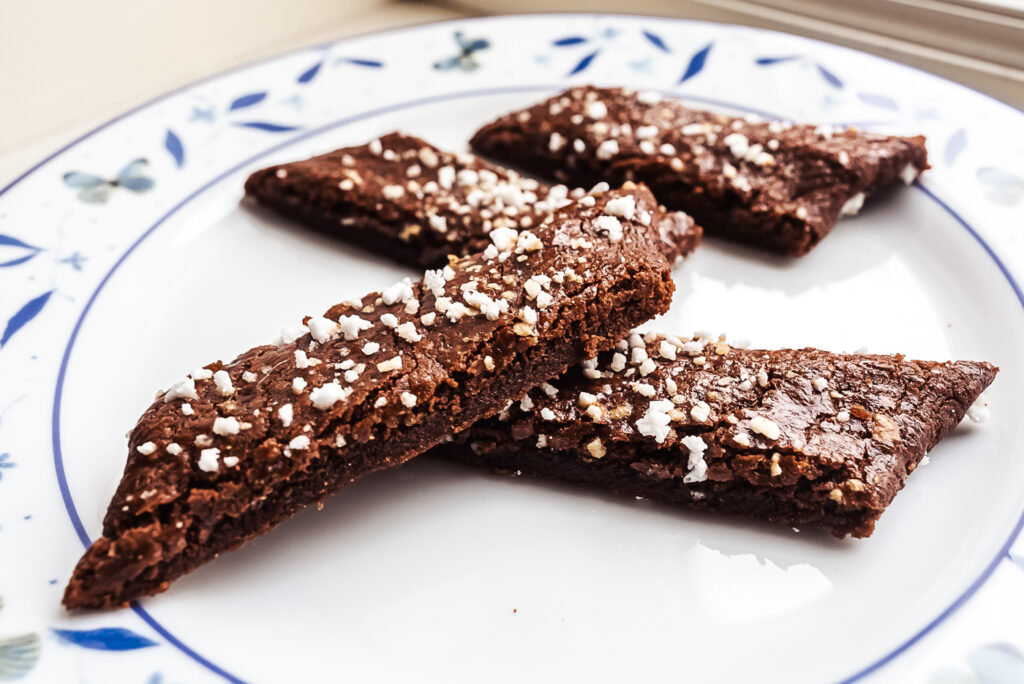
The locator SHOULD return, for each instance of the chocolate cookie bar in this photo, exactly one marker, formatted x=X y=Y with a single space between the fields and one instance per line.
x=403 y=197
x=234 y=449
x=773 y=185
x=799 y=437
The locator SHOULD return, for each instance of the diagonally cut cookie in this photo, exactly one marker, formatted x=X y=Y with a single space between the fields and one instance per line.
x=773 y=185
x=799 y=437
x=402 y=197
x=235 y=448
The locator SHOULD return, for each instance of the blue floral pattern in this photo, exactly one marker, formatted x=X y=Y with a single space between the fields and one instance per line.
x=97 y=190
x=23 y=316
x=605 y=40
x=465 y=59
x=696 y=63
x=827 y=74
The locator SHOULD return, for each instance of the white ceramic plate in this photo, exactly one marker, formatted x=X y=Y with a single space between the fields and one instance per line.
x=441 y=573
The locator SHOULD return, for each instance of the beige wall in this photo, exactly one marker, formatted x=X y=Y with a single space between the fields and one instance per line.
x=65 y=64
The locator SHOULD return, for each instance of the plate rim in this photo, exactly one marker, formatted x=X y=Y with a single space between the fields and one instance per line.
x=248 y=64
x=874 y=666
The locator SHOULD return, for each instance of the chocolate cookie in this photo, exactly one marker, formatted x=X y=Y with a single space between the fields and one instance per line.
x=773 y=185
x=798 y=437
x=402 y=197
x=233 y=449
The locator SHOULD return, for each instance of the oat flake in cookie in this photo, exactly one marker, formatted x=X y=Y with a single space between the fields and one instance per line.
x=233 y=449
x=401 y=197
x=773 y=185
x=798 y=437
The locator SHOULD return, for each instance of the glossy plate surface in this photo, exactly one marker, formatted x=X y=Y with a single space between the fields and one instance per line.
x=109 y=291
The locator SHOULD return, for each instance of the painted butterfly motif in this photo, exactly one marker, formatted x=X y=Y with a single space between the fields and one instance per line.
x=464 y=60
x=96 y=190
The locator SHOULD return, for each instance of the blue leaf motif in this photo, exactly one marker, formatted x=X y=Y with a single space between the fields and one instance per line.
x=25 y=314
x=954 y=146
x=266 y=126
x=310 y=73
x=832 y=79
x=571 y=40
x=8 y=241
x=656 y=41
x=247 y=101
x=372 y=63
x=769 y=61
x=584 y=63
x=19 y=260
x=876 y=100
x=105 y=638
x=172 y=143
x=696 y=64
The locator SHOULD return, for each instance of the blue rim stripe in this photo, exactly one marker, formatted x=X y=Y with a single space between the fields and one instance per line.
x=1004 y=552
x=58 y=457
x=177 y=643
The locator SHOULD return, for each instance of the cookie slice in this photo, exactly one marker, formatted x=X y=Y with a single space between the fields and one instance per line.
x=403 y=197
x=773 y=185
x=234 y=449
x=798 y=437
